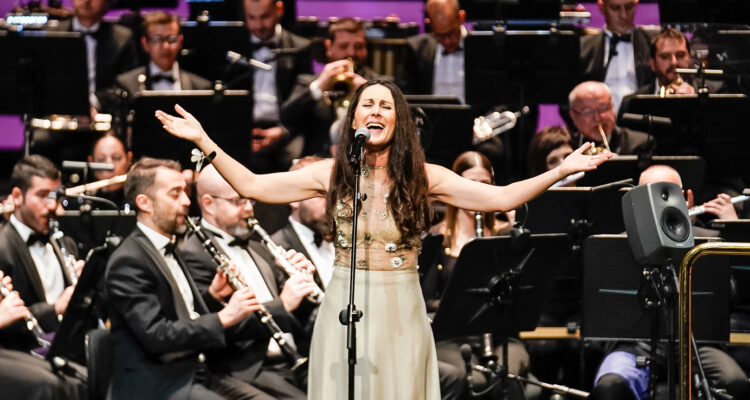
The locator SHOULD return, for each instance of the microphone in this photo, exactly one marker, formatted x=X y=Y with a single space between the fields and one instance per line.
x=92 y=166
x=361 y=136
x=466 y=355
x=236 y=58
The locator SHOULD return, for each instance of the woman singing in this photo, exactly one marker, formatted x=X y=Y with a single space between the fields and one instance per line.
x=395 y=348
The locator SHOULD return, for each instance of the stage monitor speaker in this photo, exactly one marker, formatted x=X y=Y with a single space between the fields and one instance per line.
x=656 y=220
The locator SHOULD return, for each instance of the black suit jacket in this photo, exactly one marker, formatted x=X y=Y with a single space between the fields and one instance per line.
x=129 y=81
x=156 y=343
x=247 y=358
x=416 y=74
x=16 y=262
x=311 y=118
x=116 y=52
x=592 y=56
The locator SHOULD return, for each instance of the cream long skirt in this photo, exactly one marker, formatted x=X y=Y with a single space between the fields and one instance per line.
x=396 y=358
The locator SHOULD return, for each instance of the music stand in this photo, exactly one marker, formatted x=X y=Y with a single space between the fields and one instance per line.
x=420 y=99
x=227 y=116
x=478 y=299
x=710 y=126
x=90 y=228
x=43 y=73
x=206 y=44
x=447 y=131
x=611 y=283
x=576 y=210
x=692 y=169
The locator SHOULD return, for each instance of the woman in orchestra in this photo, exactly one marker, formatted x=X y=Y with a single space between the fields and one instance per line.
x=547 y=149
x=395 y=349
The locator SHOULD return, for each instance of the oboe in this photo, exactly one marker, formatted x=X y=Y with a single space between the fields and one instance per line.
x=67 y=259
x=297 y=363
x=277 y=252
x=31 y=323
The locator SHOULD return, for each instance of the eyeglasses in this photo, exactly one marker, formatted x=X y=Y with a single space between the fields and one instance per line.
x=589 y=112
x=238 y=202
x=158 y=40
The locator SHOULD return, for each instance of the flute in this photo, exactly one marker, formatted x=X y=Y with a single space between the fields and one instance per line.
x=278 y=254
x=697 y=210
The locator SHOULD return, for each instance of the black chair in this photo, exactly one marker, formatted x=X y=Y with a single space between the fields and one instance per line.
x=99 y=356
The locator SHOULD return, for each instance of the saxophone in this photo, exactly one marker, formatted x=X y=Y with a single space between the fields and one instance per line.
x=296 y=362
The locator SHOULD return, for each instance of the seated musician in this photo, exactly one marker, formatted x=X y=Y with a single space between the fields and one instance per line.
x=42 y=276
x=109 y=148
x=619 y=377
x=170 y=340
x=225 y=217
x=23 y=376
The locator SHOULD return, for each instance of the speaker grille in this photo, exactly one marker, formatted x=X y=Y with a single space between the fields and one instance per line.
x=675 y=224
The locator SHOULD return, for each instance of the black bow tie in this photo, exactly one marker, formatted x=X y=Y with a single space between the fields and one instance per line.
x=616 y=38
x=268 y=45
x=458 y=50
x=240 y=242
x=318 y=239
x=170 y=248
x=93 y=34
x=162 y=77
x=37 y=238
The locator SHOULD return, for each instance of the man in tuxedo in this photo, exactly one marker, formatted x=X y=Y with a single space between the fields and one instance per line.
x=591 y=108
x=110 y=48
x=169 y=339
x=310 y=111
x=618 y=54
x=619 y=377
x=308 y=231
x=435 y=61
x=271 y=141
x=224 y=220
x=26 y=254
x=162 y=41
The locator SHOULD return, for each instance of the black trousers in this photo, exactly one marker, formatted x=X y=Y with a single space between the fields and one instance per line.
x=25 y=377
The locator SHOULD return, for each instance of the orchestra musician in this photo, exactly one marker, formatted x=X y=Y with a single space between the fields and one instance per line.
x=41 y=277
x=169 y=339
x=225 y=221
x=396 y=352
x=109 y=148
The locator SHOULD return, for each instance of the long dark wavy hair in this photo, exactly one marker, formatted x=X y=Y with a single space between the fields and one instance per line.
x=408 y=198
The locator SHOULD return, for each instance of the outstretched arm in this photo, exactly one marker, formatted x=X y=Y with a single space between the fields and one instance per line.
x=282 y=187
x=464 y=193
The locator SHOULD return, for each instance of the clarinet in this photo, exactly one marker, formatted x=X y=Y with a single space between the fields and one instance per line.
x=277 y=252
x=297 y=363
x=478 y=225
x=67 y=259
x=31 y=323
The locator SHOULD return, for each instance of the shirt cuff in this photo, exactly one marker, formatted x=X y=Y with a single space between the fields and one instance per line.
x=315 y=91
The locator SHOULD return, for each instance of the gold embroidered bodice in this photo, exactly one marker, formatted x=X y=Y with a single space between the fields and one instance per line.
x=379 y=245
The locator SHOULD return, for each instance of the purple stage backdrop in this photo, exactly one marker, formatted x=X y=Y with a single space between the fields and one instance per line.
x=11 y=128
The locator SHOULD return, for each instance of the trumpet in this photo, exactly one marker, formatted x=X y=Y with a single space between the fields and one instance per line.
x=32 y=325
x=341 y=89
x=223 y=263
x=278 y=252
x=667 y=90
x=67 y=259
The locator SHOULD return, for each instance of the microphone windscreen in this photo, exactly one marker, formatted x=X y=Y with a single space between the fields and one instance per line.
x=362 y=132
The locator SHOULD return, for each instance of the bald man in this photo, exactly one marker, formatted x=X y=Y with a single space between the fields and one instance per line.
x=618 y=377
x=225 y=216
x=592 y=112
x=435 y=61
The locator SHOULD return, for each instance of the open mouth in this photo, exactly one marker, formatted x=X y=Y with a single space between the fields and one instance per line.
x=375 y=127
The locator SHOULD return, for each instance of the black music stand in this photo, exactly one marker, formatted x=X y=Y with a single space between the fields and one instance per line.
x=226 y=116
x=43 y=73
x=711 y=126
x=613 y=282
x=578 y=211
x=206 y=44
x=692 y=169
x=446 y=130
x=499 y=286
x=90 y=228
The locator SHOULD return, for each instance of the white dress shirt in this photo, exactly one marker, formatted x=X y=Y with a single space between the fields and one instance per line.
x=160 y=242
x=265 y=94
x=47 y=265
x=449 y=71
x=153 y=69
x=321 y=256
x=620 y=77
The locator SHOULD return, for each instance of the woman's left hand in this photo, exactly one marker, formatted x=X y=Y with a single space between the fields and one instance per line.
x=577 y=161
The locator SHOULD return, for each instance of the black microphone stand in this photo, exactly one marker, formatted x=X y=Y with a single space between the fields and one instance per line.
x=350 y=316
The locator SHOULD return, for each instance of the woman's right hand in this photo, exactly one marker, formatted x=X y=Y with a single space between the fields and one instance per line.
x=186 y=127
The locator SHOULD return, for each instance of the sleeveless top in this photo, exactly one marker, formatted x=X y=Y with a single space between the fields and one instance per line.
x=379 y=245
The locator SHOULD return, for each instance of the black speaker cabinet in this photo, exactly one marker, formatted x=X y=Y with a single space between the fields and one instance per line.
x=657 y=222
